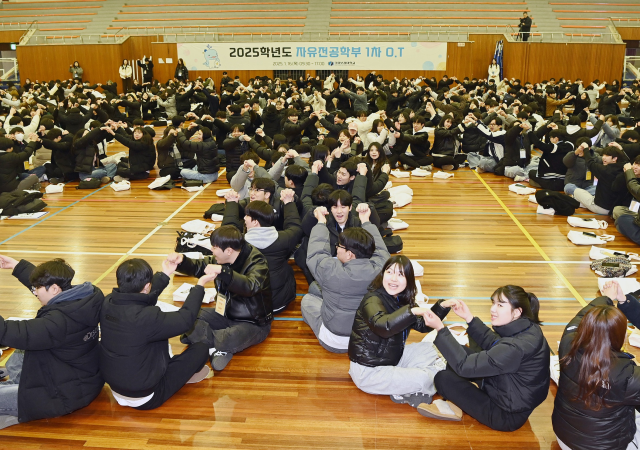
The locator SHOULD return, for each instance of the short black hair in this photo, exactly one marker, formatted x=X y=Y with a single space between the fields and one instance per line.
x=296 y=174
x=250 y=155
x=227 y=236
x=583 y=140
x=265 y=184
x=342 y=196
x=53 y=134
x=133 y=275
x=556 y=134
x=351 y=166
x=262 y=212
x=237 y=126
x=57 y=271
x=614 y=153
x=321 y=193
x=340 y=115
x=358 y=241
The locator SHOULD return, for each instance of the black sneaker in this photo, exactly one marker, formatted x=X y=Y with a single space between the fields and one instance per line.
x=412 y=399
x=54 y=180
x=219 y=360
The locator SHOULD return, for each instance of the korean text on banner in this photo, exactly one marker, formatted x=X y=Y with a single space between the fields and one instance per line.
x=315 y=55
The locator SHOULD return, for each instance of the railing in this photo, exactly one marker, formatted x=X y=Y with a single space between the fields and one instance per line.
x=76 y=39
x=598 y=37
x=434 y=33
x=11 y=72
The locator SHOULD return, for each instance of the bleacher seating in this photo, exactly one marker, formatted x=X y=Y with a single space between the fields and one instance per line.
x=52 y=17
x=589 y=16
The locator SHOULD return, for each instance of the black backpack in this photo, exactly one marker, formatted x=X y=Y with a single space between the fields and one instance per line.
x=561 y=203
x=393 y=243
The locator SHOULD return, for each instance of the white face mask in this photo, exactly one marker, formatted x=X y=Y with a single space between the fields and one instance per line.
x=19 y=137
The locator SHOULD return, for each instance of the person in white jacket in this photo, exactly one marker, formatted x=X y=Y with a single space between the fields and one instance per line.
x=364 y=124
x=126 y=71
x=494 y=71
x=329 y=81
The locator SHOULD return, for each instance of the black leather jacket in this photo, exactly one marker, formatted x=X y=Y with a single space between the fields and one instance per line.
x=245 y=284
x=378 y=334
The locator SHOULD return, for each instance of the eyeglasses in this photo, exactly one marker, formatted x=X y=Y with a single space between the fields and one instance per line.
x=342 y=247
x=255 y=190
x=33 y=291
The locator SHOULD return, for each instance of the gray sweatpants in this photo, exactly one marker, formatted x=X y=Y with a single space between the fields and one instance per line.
x=414 y=373
x=311 y=308
x=9 y=390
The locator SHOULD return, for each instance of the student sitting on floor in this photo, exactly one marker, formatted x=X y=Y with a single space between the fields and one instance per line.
x=551 y=170
x=54 y=369
x=332 y=301
x=276 y=246
x=12 y=164
x=599 y=390
x=381 y=362
x=134 y=354
x=513 y=363
x=244 y=311
x=606 y=172
x=204 y=147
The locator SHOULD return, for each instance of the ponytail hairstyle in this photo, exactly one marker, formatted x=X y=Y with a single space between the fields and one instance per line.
x=600 y=333
x=519 y=299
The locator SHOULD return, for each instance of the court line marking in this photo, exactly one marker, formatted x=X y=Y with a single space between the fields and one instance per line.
x=51 y=215
x=533 y=242
x=497 y=261
x=151 y=233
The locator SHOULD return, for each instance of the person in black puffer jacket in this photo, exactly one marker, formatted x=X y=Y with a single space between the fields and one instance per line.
x=135 y=332
x=381 y=363
x=142 y=154
x=596 y=411
x=88 y=155
x=244 y=296
x=206 y=151
x=12 y=164
x=236 y=144
x=511 y=368
x=62 y=164
x=54 y=370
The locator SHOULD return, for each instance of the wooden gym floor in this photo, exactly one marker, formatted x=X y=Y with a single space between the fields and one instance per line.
x=469 y=232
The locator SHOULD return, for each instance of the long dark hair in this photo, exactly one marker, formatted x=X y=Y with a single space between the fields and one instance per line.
x=600 y=333
x=408 y=296
x=519 y=298
x=376 y=165
x=146 y=138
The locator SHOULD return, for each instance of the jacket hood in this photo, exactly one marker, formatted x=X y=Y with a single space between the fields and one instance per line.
x=513 y=328
x=261 y=237
x=138 y=298
x=81 y=303
x=572 y=129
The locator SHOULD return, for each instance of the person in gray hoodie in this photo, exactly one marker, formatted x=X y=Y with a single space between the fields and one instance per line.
x=276 y=246
x=333 y=299
x=358 y=100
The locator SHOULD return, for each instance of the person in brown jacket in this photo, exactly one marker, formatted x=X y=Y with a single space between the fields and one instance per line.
x=553 y=103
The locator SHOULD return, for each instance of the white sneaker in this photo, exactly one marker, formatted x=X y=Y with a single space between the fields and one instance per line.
x=519 y=178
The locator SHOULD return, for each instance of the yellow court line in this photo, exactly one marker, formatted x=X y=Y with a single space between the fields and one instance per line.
x=151 y=233
x=534 y=243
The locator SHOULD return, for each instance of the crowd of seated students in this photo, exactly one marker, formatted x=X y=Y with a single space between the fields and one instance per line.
x=330 y=213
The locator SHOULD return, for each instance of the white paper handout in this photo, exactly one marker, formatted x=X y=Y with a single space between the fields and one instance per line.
x=628 y=285
x=181 y=294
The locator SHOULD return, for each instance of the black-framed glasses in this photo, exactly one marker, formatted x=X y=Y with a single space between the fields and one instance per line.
x=33 y=290
x=342 y=247
x=255 y=190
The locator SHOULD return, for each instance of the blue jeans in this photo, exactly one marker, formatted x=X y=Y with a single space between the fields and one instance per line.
x=38 y=171
x=193 y=174
x=107 y=171
x=570 y=188
x=628 y=228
